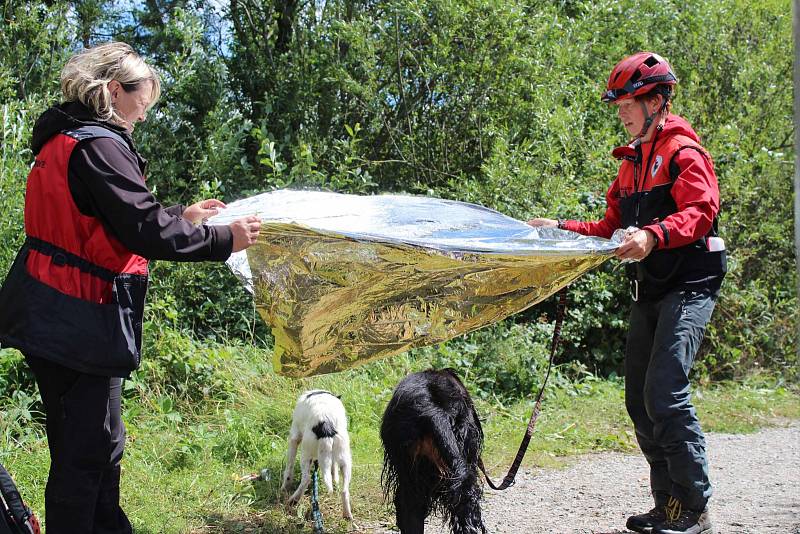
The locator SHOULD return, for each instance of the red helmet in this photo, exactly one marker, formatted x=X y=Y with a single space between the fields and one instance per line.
x=637 y=75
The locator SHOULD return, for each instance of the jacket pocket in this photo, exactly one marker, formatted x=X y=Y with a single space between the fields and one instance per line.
x=129 y=292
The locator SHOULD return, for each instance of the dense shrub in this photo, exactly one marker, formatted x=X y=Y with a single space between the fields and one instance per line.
x=488 y=102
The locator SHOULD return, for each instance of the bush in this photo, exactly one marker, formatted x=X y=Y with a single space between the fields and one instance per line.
x=487 y=102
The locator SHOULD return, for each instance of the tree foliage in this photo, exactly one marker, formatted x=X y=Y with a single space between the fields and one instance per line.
x=489 y=102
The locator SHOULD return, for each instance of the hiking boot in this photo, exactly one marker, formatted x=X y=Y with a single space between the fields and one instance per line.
x=683 y=521
x=644 y=523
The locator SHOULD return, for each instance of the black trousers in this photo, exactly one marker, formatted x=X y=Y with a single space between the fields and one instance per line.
x=663 y=340
x=86 y=438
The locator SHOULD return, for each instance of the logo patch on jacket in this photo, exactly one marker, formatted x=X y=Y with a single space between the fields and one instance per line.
x=656 y=165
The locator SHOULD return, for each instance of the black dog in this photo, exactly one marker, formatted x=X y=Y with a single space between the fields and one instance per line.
x=432 y=441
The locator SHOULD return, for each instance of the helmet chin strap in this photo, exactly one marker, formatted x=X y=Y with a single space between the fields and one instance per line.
x=629 y=151
x=648 y=119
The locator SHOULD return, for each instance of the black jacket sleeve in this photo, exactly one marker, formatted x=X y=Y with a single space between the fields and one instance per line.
x=106 y=182
x=176 y=210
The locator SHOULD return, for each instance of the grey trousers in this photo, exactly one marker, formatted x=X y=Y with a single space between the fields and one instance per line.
x=662 y=342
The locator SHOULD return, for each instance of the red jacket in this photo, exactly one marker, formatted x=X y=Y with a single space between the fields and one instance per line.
x=52 y=217
x=695 y=189
x=76 y=291
x=671 y=190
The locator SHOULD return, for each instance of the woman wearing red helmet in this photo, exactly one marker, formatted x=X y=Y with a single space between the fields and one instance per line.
x=667 y=189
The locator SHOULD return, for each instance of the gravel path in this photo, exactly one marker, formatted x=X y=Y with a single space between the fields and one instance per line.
x=756 y=481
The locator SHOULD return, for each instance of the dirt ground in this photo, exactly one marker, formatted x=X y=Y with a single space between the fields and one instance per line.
x=756 y=480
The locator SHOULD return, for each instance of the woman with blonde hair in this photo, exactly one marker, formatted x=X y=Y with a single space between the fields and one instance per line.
x=73 y=300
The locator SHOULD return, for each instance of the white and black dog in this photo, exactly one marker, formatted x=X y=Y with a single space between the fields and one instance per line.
x=319 y=427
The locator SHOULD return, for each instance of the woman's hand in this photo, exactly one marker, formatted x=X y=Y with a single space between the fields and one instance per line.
x=245 y=232
x=198 y=213
x=543 y=223
x=636 y=246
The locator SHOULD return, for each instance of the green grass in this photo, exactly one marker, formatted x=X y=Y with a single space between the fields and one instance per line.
x=187 y=451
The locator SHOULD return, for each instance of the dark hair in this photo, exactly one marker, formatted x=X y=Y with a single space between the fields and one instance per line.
x=661 y=89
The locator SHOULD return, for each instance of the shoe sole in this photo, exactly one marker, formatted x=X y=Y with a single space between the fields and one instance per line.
x=649 y=530
x=709 y=530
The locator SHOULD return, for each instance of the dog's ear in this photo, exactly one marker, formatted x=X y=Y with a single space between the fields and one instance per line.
x=339 y=397
x=452 y=372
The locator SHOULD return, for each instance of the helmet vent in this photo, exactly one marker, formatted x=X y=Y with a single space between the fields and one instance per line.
x=616 y=76
x=651 y=61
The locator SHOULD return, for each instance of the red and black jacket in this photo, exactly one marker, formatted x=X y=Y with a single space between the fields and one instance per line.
x=75 y=293
x=670 y=189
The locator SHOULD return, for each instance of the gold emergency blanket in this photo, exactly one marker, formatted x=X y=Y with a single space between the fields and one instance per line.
x=345 y=279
